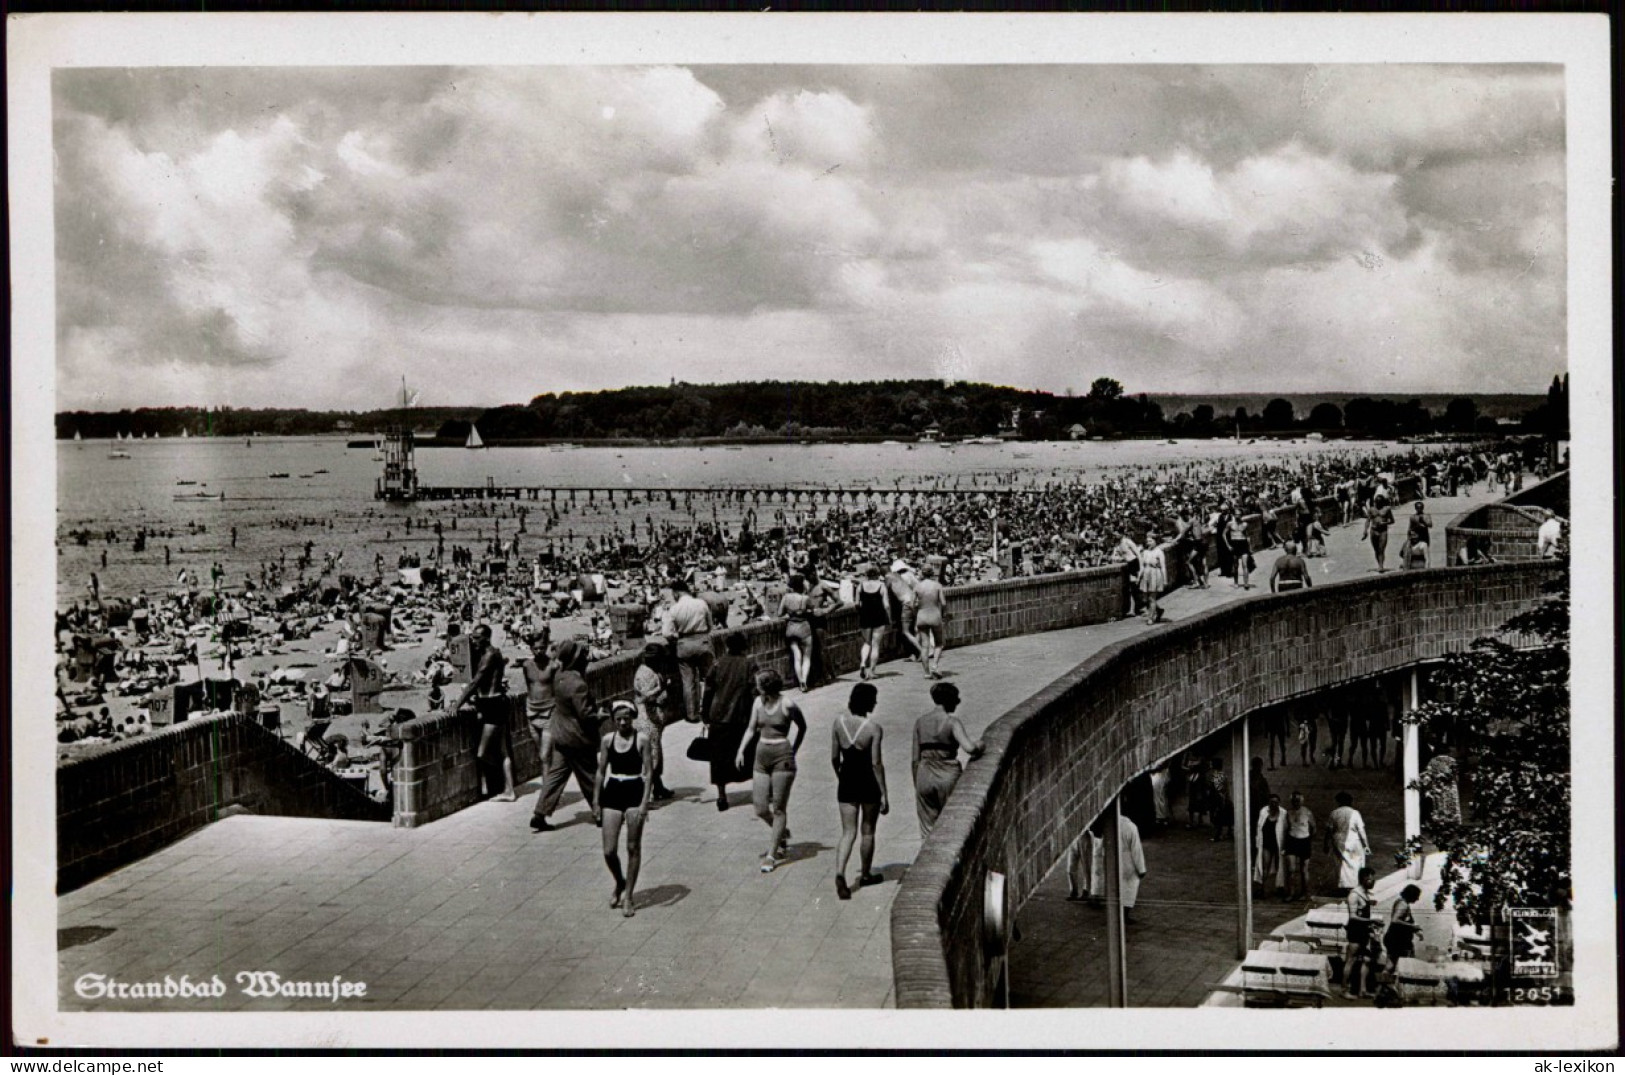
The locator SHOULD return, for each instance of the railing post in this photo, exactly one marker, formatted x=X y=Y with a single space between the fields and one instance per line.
x=1116 y=946
x=1412 y=751
x=1242 y=806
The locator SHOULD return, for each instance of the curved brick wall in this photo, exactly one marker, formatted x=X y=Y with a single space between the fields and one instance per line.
x=1055 y=761
x=129 y=799
x=1509 y=530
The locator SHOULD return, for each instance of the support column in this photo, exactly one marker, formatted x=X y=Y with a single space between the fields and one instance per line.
x=1116 y=948
x=1412 y=752
x=1244 y=808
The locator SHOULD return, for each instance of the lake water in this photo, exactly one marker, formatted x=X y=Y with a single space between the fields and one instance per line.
x=277 y=515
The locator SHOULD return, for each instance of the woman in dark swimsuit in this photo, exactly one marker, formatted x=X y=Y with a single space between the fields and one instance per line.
x=621 y=793
x=860 y=785
x=874 y=616
x=775 y=772
x=798 y=630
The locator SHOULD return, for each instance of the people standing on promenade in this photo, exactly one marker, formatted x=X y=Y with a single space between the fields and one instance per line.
x=1359 y=953
x=939 y=736
x=688 y=625
x=1194 y=768
x=1219 y=804
x=1218 y=525
x=1269 y=841
x=651 y=692
x=1128 y=551
x=798 y=630
x=730 y=691
x=1275 y=730
x=929 y=617
x=1337 y=726
x=874 y=616
x=1241 y=551
x=1131 y=867
x=1160 y=807
x=1297 y=847
x=489 y=692
x=1258 y=785
x=1290 y=571
x=1378 y=518
x=823 y=597
x=1346 y=838
x=1399 y=936
x=1153 y=576
x=900 y=580
x=539 y=668
x=1375 y=708
x=1418 y=528
x=1308 y=737
x=624 y=782
x=1359 y=733
x=774 y=773
x=575 y=735
x=1196 y=539
x=860 y=786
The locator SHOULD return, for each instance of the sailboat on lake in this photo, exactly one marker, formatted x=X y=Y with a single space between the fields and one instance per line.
x=474 y=441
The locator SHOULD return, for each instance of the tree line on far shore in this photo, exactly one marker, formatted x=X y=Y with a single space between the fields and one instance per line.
x=767 y=410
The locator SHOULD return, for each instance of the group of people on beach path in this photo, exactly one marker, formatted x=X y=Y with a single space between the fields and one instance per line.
x=752 y=731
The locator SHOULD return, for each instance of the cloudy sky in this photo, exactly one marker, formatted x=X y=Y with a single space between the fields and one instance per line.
x=304 y=237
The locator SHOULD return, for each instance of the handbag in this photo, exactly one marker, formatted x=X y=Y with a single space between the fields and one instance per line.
x=699 y=748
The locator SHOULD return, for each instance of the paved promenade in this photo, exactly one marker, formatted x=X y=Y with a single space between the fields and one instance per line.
x=476 y=911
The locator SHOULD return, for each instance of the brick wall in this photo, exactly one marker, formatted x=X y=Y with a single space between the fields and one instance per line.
x=134 y=797
x=1055 y=761
x=1509 y=529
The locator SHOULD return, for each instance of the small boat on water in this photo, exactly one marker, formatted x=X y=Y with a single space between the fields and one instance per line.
x=278 y=474
x=474 y=442
x=184 y=481
x=118 y=454
x=319 y=470
x=200 y=496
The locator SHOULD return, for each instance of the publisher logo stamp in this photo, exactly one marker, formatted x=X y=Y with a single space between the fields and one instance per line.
x=1534 y=942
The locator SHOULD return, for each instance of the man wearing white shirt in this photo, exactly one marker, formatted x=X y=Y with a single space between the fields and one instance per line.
x=1547 y=538
x=688 y=625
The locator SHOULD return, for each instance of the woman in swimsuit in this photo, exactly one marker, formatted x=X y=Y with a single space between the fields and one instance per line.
x=938 y=738
x=770 y=720
x=860 y=785
x=621 y=793
x=874 y=616
x=798 y=630
x=928 y=620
